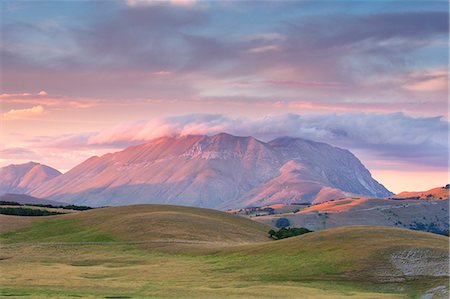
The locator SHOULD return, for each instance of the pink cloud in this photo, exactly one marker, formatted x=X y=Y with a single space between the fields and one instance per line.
x=135 y=3
x=23 y=113
x=303 y=84
x=44 y=99
x=431 y=81
x=162 y=73
x=263 y=49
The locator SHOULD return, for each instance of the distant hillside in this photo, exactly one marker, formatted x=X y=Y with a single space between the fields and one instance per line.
x=26 y=199
x=413 y=212
x=435 y=194
x=23 y=178
x=220 y=171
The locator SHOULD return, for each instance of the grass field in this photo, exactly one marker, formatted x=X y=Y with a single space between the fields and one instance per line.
x=156 y=251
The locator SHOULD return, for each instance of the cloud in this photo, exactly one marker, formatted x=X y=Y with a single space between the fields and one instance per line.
x=134 y=3
x=262 y=49
x=372 y=54
x=431 y=81
x=23 y=113
x=387 y=137
x=389 y=141
x=17 y=153
x=44 y=99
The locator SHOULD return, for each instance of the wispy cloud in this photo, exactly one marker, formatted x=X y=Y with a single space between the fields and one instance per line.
x=428 y=81
x=23 y=113
x=177 y=51
x=135 y=3
x=43 y=99
x=17 y=153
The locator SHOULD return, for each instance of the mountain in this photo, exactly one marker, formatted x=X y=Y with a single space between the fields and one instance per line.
x=217 y=171
x=23 y=178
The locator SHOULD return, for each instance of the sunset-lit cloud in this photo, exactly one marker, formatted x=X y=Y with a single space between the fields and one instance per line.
x=24 y=113
x=156 y=2
x=42 y=98
x=375 y=56
x=396 y=137
x=268 y=48
x=434 y=81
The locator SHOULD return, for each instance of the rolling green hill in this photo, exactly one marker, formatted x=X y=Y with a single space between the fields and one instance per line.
x=143 y=223
x=170 y=251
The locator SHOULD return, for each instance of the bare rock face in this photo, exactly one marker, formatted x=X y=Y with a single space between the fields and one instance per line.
x=219 y=171
x=24 y=178
x=421 y=262
x=414 y=263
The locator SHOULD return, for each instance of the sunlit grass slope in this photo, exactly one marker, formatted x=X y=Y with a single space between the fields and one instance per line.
x=84 y=254
x=142 y=223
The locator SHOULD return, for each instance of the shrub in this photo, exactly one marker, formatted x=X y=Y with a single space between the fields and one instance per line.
x=284 y=232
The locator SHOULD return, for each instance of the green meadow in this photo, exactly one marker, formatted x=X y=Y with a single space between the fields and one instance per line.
x=157 y=251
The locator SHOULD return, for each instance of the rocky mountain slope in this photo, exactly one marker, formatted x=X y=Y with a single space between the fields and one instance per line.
x=24 y=178
x=217 y=171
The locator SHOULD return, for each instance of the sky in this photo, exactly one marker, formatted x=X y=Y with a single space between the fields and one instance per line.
x=84 y=78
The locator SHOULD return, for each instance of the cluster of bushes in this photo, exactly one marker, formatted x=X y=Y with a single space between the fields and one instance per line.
x=26 y=212
x=287 y=232
x=69 y=207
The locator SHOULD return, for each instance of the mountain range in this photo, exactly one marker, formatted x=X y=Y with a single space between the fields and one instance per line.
x=219 y=171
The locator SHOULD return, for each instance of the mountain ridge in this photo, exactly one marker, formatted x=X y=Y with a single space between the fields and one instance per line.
x=218 y=171
x=23 y=178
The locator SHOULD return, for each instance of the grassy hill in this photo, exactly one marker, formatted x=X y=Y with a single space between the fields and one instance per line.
x=170 y=251
x=143 y=223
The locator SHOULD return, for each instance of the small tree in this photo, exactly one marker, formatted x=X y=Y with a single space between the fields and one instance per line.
x=282 y=222
x=272 y=233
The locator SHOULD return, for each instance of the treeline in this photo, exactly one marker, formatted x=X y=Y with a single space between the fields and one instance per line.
x=287 y=232
x=68 y=207
x=27 y=212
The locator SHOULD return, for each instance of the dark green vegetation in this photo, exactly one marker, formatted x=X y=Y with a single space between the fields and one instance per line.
x=150 y=251
x=66 y=207
x=284 y=232
x=9 y=203
x=26 y=212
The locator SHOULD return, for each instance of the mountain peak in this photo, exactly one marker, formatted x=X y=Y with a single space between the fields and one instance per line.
x=23 y=178
x=217 y=171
